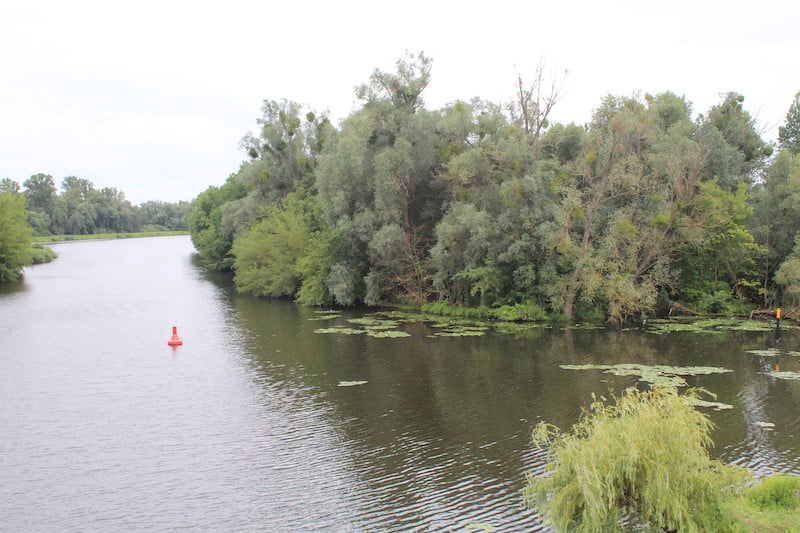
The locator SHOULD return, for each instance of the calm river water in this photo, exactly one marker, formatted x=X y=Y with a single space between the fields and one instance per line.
x=245 y=427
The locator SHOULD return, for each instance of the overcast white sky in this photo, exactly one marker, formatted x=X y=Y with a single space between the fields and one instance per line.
x=152 y=97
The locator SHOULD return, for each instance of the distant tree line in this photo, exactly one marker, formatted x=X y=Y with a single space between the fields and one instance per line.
x=477 y=204
x=78 y=208
x=38 y=209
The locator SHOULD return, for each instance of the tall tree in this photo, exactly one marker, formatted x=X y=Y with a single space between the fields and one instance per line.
x=789 y=133
x=776 y=216
x=15 y=236
x=10 y=186
x=620 y=216
x=40 y=192
x=533 y=104
x=734 y=149
x=378 y=185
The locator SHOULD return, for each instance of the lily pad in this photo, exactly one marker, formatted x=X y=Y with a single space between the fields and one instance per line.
x=381 y=327
x=717 y=406
x=373 y=321
x=656 y=375
x=708 y=325
x=351 y=383
x=769 y=352
x=785 y=375
x=391 y=334
x=343 y=331
x=460 y=333
x=329 y=316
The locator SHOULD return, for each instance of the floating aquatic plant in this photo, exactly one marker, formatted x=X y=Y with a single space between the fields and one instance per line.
x=381 y=327
x=460 y=331
x=769 y=352
x=656 y=375
x=327 y=316
x=373 y=321
x=708 y=325
x=387 y=334
x=343 y=331
x=371 y=326
x=784 y=375
x=351 y=383
x=717 y=406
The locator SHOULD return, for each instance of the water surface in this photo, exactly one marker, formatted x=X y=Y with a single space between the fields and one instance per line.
x=245 y=427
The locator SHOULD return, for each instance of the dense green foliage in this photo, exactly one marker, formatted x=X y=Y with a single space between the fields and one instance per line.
x=642 y=463
x=39 y=254
x=81 y=209
x=644 y=457
x=15 y=236
x=777 y=492
x=482 y=205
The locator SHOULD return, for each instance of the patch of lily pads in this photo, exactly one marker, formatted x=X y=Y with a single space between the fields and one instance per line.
x=351 y=383
x=341 y=330
x=784 y=374
x=326 y=315
x=717 y=406
x=769 y=352
x=374 y=322
x=708 y=325
x=461 y=331
x=655 y=375
x=391 y=334
x=371 y=326
x=773 y=352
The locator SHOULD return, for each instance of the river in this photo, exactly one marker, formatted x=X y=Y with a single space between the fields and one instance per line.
x=259 y=422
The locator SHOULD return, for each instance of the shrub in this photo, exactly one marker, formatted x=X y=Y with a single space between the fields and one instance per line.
x=524 y=312
x=644 y=457
x=40 y=254
x=776 y=492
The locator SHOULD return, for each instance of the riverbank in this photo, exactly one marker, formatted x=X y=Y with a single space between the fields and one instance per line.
x=53 y=239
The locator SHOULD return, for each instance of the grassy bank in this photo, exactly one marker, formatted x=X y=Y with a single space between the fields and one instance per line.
x=100 y=236
x=40 y=254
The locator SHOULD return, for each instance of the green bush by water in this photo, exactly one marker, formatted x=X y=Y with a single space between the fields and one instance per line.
x=644 y=457
x=41 y=254
x=520 y=312
x=776 y=492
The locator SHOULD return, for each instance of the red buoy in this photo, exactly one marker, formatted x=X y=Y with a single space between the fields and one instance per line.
x=175 y=340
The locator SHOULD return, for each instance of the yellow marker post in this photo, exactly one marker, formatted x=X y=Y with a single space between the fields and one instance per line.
x=778 y=313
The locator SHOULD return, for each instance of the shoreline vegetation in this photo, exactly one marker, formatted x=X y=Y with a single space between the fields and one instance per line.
x=58 y=239
x=487 y=210
x=39 y=253
x=618 y=464
x=36 y=213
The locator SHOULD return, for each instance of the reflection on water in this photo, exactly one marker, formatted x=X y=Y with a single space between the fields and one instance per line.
x=244 y=427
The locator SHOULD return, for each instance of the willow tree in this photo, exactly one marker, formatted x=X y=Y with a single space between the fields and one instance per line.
x=643 y=457
x=377 y=181
x=621 y=211
x=282 y=156
x=489 y=247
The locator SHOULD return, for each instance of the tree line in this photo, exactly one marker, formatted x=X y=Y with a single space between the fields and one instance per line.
x=478 y=204
x=79 y=208
x=38 y=209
